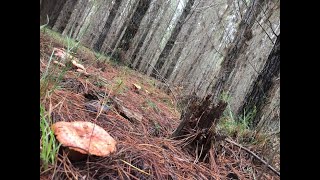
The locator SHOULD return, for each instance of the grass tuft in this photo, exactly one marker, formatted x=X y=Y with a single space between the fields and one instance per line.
x=49 y=147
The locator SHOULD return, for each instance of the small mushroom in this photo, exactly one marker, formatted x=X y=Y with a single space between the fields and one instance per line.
x=79 y=66
x=59 y=64
x=136 y=88
x=61 y=53
x=82 y=138
x=82 y=71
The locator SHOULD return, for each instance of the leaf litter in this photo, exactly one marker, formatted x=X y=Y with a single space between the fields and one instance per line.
x=144 y=149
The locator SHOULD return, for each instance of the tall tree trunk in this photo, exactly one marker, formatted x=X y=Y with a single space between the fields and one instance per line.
x=137 y=58
x=97 y=46
x=238 y=46
x=143 y=32
x=169 y=65
x=64 y=16
x=52 y=8
x=116 y=45
x=96 y=26
x=130 y=30
x=165 y=52
x=134 y=24
x=76 y=15
x=150 y=57
x=256 y=97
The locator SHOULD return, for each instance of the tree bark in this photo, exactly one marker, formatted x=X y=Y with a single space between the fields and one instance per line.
x=261 y=87
x=169 y=65
x=165 y=52
x=134 y=24
x=64 y=16
x=238 y=46
x=52 y=8
x=96 y=26
x=76 y=15
x=158 y=42
x=137 y=58
x=199 y=120
x=97 y=46
x=143 y=32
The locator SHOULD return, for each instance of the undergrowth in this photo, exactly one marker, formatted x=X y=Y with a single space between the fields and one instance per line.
x=238 y=127
x=49 y=147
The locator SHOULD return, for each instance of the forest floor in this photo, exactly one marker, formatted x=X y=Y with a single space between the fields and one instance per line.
x=144 y=149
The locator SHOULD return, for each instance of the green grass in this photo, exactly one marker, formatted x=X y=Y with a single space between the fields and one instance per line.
x=51 y=78
x=237 y=127
x=67 y=41
x=49 y=81
x=49 y=146
x=53 y=75
x=152 y=105
x=101 y=57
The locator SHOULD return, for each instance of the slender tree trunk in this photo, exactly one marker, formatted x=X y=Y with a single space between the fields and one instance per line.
x=169 y=65
x=138 y=56
x=125 y=25
x=97 y=46
x=165 y=52
x=96 y=26
x=154 y=47
x=64 y=16
x=75 y=17
x=139 y=40
x=52 y=8
x=134 y=24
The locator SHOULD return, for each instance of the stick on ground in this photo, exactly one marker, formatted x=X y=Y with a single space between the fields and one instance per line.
x=253 y=154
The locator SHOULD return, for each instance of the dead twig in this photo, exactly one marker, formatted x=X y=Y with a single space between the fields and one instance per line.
x=253 y=154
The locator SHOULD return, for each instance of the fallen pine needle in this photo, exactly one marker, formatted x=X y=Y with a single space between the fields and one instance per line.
x=134 y=167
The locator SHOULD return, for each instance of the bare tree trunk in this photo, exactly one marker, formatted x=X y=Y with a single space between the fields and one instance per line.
x=97 y=24
x=137 y=58
x=165 y=52
x=164 y=33
x=142 y=33
x=64 y=16
x=133 y=25
x=97 y=46
x=52 y=8
x=238 y=46
x=259 y=91
x=169 y=65
x=125 y=23
x=76 y=15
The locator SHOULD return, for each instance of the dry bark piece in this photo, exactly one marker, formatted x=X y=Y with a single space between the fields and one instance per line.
x=84 y=137
x=95 y=106
x=127 y=113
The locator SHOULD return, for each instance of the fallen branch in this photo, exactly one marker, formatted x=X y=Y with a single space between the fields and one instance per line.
x=253 y=154
x=125 y=112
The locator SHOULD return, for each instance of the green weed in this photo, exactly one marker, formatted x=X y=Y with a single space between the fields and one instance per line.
x=237 y=127
x=49 y=147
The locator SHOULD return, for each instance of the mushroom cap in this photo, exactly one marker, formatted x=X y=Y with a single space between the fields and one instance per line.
x=80 y=66
x=78 y=135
